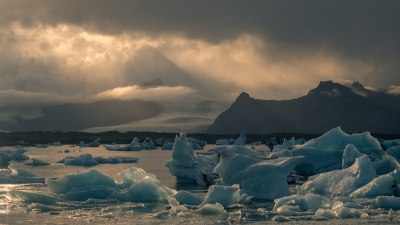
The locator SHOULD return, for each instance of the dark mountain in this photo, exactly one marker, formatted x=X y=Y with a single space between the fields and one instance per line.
x=329 y=105
x=72 y=117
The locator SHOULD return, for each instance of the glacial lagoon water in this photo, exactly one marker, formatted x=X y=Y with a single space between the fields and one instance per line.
x=152 y=161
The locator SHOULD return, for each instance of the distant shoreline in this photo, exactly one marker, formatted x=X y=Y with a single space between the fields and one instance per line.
x=46 y=137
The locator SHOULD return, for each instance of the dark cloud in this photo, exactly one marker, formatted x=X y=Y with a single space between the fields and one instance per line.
x=354 y=27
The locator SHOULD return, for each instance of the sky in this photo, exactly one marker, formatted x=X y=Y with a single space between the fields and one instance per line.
x=59 y=51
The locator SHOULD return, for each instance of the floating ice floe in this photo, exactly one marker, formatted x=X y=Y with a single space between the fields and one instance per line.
x=12 y=155
x=185 y=166
x=135 y=145
x=187 y=198
x=137 y=186
x=16 y=175
x=37 y=162
x=225 y=195
x=387 y=202
x=95 y=143
x=342 y=182
x=255 y=175
x=89 y=160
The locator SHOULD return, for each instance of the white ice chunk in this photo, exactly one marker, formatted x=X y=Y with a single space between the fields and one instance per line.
x=344 y=212
x=211 y=209
x=342 y=182
x=182 y=152
x=185 y=166
x=225 y=195
x=95 y=143
x=326 y=213
x=350 y=155
x=387 y=202
x=380 y=186
x=304 y=202
x=38 y=162
x=241 y=140
x=187 y=198
x=255 y=175
x=84 y=179
x=336 y=139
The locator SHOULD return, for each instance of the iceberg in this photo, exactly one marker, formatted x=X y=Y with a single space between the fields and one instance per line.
x=241 y=140
x=225 y=195
x=222 y=142
x=384 y=185
x=17 y=155
x=387 y=202
x=394 y=151
x=386 y=144
x=95 y=143
x=89 y=160
x=342 y=182
x=326 y=152
x=185 y=166
x=137 y=186
x=210 y=209
x=16 y=175
x=144 y=187
x=350 y=155
x=37 y=162
x=336 y=139
x=187 y=198
x=241 y=150
x=133 y=146
x=305 y=202
x=254 y=175
x=148 y=144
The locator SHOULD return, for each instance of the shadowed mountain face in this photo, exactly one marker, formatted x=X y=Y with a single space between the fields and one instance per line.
x=72 y=117
x=331 y=104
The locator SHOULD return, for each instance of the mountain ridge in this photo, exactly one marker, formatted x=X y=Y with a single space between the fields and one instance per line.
x=331 y=104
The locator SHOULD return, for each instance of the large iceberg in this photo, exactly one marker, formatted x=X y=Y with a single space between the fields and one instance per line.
x=137 y=186
x=336 y=139
x=185 y=166
x=255 y=175
x=325 y=153
x=342 y=182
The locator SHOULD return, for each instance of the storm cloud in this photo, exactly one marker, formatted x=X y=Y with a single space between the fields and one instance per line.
x=73 y=51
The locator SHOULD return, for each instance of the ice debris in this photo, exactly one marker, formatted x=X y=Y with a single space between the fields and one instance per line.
x=89 y=160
